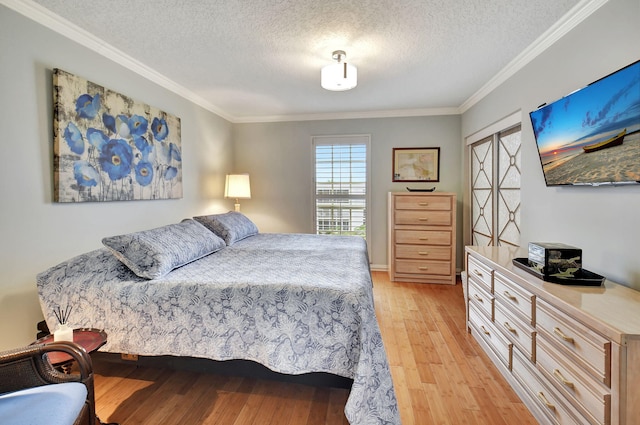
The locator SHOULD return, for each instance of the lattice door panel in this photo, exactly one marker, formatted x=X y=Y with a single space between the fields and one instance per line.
x=509 y=173
x=495 y=189
x=482 y=192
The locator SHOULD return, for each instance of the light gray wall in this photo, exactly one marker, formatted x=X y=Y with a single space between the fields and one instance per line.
x=37 y=233
x=278 y=157
x=603 y=221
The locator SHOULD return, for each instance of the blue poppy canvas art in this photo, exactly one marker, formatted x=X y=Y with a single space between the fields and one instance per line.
x=109 y=147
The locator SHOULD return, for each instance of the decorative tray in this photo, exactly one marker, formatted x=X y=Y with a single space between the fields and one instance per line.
x=581 y=277
x=421 y=190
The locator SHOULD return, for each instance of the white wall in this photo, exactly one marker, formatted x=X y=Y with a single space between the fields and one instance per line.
x=603 y=221
x=278 y=157
x=37 y=233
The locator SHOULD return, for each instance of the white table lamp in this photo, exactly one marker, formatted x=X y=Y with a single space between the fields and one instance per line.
x=237 y=186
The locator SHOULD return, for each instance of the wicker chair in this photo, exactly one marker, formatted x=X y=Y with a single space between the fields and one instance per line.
x=28 y=367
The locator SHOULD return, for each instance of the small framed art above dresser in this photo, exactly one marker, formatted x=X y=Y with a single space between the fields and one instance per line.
x=422 y=237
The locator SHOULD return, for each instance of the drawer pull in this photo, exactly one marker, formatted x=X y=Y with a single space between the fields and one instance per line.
x=423 y=219
x=423 y=268
x=423 y=204
x=508 y=295
x=562 y=379
x=486 y=332
x=423 y=239
x=478 y=298
x=509 y=328
x=477 y=273
x=561 y=334
x=423 y=253
x=545 y=401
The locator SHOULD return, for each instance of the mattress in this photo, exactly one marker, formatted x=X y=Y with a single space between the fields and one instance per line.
x=296 y=303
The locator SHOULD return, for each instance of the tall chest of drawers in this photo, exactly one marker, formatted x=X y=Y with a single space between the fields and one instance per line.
x=572 y=353
x=422 y=237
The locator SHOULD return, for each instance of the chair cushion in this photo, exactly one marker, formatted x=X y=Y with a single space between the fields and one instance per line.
x=55 y=404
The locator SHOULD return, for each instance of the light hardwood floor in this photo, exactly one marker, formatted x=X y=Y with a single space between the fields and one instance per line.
x=441 y=376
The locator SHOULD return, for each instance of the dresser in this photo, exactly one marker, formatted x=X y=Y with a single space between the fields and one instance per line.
x=422 y=237
x=572 y=353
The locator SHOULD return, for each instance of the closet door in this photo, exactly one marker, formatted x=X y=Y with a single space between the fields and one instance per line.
x=482 y=192
x=495 y=189
x=508 y=196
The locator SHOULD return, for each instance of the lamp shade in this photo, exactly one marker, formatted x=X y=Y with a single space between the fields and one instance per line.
x=339 y=76
x=237 y=186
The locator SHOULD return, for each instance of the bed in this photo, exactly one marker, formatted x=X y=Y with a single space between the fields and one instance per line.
x=295 y=303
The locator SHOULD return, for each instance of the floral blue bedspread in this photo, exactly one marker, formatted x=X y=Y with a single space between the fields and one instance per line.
x=292 y=302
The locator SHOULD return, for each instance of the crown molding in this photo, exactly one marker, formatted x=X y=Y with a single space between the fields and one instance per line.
x=570 y=20
x=58 y=24
x=62 y=26
x=351 y=115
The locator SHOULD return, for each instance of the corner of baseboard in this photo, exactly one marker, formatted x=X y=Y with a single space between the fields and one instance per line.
x=379 y=267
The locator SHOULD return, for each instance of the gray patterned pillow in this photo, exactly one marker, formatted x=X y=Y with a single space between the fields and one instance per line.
x=232 y=226
x=154 y=253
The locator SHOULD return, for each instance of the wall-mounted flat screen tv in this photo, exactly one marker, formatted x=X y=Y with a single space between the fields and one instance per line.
x=592 y=136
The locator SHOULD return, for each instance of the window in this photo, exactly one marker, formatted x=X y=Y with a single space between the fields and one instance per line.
x=341 y=191
x=327 y=226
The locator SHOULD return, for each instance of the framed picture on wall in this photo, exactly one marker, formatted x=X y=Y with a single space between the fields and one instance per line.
x=110 y=147
x=416 y=164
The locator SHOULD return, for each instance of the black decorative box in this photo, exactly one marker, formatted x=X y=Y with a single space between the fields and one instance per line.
x=553 y=258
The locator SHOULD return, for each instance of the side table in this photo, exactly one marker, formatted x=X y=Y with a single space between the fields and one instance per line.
x=88 y=338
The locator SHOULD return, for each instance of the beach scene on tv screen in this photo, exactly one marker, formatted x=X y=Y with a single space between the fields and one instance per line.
x=593 y=134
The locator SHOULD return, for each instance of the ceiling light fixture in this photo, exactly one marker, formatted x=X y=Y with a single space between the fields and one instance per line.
x=339 y=76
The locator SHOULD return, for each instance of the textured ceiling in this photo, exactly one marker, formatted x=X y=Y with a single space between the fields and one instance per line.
x=255 y=59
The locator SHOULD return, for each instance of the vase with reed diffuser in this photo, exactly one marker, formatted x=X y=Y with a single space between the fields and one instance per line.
x=63 y=332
